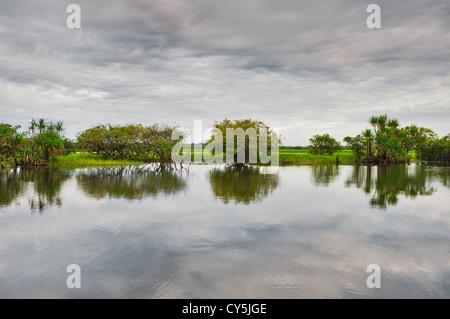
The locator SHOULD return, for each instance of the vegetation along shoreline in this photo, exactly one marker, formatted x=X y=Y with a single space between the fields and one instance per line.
x=44 y=144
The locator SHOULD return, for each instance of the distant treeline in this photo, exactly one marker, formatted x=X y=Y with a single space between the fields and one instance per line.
x=284 y=147
x=386 y=142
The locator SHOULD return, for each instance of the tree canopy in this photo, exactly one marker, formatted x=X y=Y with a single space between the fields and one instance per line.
x=389 y=143
x=251 y=140
x=324 y=144
x=134 y=142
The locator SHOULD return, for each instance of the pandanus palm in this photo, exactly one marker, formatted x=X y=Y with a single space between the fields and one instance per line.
x=393 y=124
x=378 y=123
x=47 y=137
x=368 y=138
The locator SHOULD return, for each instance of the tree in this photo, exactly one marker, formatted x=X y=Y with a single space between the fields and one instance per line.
x=415 y=137
x=94 y=140
x=368 y=139
x=324 y=144
x=378 y=123
x=356 y=144
x=435 y=149
x=390 y=144
x=133 y=142
x=157 y=140
x=46 y=140
x=11 y=143
x=248 y=137
x=70 y=146
x=388 y=140
x=33 y=148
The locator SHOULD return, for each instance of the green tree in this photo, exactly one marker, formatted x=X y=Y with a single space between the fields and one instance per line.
x=356 y=144
x=45 y=140
x=388 y=140
x=264 y=134
x=70 y=146
x=435 y=149
x=158 y=143
x=135 y=142
x=368 y=140
x=324 y=144
x=94 y=140
x=415 y=137
x=11 y=144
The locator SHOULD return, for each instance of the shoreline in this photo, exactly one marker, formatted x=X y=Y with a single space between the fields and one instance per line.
x=284 y=163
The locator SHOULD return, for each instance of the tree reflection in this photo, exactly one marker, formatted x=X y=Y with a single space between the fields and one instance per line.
x=133 y=183
x=11 y=186
x=244 y=185
x=440 y=173
x=45 y=183
x=361 y=178
x=386 y=182
x=323 y=175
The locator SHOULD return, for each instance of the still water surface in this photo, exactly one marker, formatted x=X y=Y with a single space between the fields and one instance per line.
x=303 y=232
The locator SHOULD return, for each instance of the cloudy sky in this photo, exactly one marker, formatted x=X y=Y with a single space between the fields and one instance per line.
x=304 y=67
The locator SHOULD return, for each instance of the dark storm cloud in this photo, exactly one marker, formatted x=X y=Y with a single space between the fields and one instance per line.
x=304 y=66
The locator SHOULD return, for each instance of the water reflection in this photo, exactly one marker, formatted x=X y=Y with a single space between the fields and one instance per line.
x=385 y=183
x=244 y=186
x=133 y=183
x=323 y=175
x=11 y=186
x=46 y=186
x=440 y=173
x=361 y=177
x=317 y=244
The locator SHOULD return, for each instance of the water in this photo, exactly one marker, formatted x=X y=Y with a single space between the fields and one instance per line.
x=305 y=232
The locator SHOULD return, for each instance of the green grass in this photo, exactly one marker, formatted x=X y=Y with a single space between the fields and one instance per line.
x=286 y=157
x=344 y=157
x=88 y=159
x=303 y=156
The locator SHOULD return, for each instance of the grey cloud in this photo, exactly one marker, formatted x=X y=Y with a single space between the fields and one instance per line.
x=303 y=66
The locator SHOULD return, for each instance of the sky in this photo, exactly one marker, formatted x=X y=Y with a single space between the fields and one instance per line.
x=303 y=67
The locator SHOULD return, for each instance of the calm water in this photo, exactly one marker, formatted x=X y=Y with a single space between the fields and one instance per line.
x=303 y=232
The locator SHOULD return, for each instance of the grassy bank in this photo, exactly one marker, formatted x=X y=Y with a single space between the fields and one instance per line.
x=289 y=156
x=88 y=159
x=305 y=157
x=286 y=157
